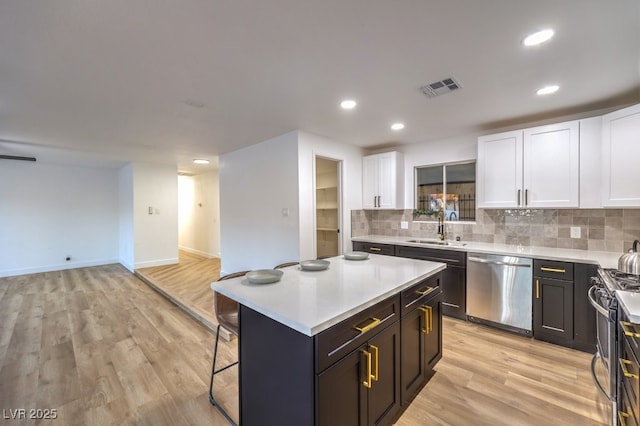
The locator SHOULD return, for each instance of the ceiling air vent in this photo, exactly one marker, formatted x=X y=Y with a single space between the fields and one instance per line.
x=440 y=87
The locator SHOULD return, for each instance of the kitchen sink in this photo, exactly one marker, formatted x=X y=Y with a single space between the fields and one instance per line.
x=438 y=242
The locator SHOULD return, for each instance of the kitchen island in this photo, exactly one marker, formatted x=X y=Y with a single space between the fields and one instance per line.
x=325 y=347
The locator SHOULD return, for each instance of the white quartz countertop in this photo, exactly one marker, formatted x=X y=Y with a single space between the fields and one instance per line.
x=602 y=258
x=630 y=302
x=312 y=301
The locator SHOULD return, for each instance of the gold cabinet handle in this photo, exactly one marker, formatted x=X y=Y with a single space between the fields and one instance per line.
x=427 y=290
x=537 y=289
x=375 y=249
x=629 y=329
x=558 y=270
x=374 y=323
x=622 y=416
x=376 y=354
x=625 y=372
x=367 y=382
x=428 y=318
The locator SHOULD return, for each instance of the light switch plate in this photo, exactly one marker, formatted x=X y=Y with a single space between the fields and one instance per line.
x=575 y=232
x=404 y=224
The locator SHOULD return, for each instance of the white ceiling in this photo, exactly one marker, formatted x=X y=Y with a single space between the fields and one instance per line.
x=169 y=81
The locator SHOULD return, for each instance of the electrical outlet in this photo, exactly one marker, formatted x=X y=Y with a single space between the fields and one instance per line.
x=404 y=224
x=150 y=210
x=575 y=232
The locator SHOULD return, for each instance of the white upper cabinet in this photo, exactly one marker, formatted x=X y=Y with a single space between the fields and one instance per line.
x=621 y=158
x=499 y=170
x=382 y=181
x=536 y=167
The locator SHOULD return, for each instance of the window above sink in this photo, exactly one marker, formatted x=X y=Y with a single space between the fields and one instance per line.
x=445 y=189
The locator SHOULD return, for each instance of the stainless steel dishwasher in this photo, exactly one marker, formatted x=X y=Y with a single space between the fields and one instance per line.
x=500 y=290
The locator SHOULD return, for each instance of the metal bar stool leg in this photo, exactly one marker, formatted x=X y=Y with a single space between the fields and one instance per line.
x=212 y=400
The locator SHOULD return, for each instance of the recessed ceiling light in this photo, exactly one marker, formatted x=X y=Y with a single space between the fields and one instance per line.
x=348 y=104
x=200 y=161
x=538 y=37
x=547 y=90
x=397 y=126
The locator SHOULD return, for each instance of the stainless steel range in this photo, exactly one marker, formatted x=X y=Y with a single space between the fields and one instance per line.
x=602 y=296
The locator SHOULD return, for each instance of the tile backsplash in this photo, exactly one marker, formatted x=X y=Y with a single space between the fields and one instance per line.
x=612 y=230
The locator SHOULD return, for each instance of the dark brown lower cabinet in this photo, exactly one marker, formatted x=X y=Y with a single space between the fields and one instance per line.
x=628 y=367
x=421 y=329
x=350 y=374
x=553 y=310
x=364 y=387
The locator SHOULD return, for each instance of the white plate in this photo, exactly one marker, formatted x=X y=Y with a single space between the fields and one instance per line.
x=264 y=276
x=356 y=255
x=314 y=265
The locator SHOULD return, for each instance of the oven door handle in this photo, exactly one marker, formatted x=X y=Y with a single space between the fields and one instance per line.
x=601 y=309
x=595 y=358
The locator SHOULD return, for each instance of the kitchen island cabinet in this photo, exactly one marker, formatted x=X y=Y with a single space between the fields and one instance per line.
x=325 y=347
x=421 y=335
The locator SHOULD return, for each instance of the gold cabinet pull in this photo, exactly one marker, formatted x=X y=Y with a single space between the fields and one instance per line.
x=374 y=323
x=376 y=354
x=375 y=249
x=537 y=289
x=622 y=416
x=425 y=291
x=629 y=329
x=557 y=270
x=428 y=318
x=625 y=372
x=367 y=382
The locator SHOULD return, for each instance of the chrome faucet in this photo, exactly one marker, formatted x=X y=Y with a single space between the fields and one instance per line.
x=441 y=225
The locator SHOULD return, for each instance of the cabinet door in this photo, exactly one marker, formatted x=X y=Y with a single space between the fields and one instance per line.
x=551 y=170
x=553 y=310
x=454 y=292
x=342 y=398
x=433 y=337
x=620 y=154
x=387 y=180
x=384 y=395
x=369 y=181
x=421 y=345
x=414 y=367
x=500 y=170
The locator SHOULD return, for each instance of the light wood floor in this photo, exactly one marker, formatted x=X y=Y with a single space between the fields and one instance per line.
x=187 y=284
x=101 y=347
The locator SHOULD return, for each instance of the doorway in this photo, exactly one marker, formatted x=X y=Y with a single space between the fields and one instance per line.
x=328 y=241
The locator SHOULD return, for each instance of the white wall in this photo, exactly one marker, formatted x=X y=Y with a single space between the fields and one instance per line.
x=125 y=217
x=310 y=146
x=48 y=212
x=457 y=149
x=199 y=213
x=155 y=235
x=256 y=184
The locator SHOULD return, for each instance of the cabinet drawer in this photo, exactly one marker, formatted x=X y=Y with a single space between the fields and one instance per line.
x=629 y=373
x=631 y=334
x=415 y=295
x=626 y=413
x=450 y=257
x=388 y=249
x=342 y=338
x=553 y=269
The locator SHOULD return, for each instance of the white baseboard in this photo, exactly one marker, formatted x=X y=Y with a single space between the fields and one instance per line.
x=58 y=267
x=198 y=252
